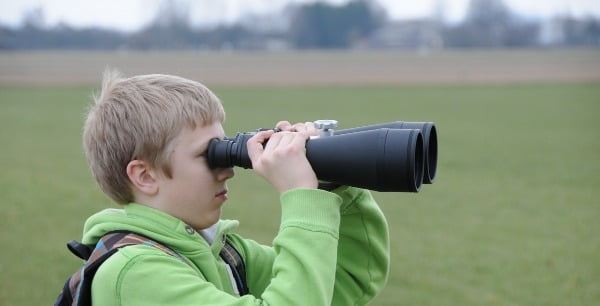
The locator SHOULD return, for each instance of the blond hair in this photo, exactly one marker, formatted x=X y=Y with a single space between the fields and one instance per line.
x=139 y=118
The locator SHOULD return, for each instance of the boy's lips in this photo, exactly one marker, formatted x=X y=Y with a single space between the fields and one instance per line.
x=222 y=194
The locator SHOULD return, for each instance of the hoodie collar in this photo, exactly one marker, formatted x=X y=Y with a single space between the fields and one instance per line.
x=158 y=225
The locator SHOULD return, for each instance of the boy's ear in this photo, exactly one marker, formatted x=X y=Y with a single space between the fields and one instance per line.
x=142 y=177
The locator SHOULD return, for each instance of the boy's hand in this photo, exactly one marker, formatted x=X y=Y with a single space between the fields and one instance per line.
x=282 y=162
x=308 y=127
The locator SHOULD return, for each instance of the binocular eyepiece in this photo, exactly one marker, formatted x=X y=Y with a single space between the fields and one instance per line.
x=390 y=157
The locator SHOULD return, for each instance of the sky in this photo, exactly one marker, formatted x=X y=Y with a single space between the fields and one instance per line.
x=131 y=15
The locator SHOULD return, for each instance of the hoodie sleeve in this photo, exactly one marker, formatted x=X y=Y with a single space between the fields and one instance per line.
x=363 y=250
x=362 y=256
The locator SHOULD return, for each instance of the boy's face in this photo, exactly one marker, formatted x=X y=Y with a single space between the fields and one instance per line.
x=194 y=193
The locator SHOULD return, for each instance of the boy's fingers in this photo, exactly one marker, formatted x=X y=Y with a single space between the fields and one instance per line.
x=307 y=127
x=311 y=129
x=299 y=127
x=255 y=143
x=285 y=138
x=305 y=135
x=300 y=139
x=274 y=141
x=281 y=140
x=284 y=125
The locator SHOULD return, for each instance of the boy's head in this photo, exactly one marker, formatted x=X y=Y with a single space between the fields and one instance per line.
x=139 y=118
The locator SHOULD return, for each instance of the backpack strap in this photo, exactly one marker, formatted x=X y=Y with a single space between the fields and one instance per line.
x=238 y=270
x=78 y=288
x=80 y=250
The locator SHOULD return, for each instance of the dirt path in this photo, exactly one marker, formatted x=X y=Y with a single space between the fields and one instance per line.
x=308 y=68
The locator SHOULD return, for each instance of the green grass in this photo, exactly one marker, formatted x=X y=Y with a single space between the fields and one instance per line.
x=512 y=219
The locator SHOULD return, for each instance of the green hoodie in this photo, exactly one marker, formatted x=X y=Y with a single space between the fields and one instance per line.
x=332 y=249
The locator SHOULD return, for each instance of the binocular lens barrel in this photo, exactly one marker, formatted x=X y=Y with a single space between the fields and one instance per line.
x=429 y=141
x=382 y=159
x=229 y=152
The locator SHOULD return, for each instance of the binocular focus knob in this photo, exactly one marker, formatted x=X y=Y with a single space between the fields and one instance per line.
x=326 y=127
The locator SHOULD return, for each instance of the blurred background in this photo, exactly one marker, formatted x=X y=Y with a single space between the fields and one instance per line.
x=295 y=24
x=513 y=87
x=382 y=41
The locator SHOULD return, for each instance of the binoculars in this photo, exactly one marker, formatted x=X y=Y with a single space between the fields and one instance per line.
x=388 y=157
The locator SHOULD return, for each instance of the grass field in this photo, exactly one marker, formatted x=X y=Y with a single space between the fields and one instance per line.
x=512 y=219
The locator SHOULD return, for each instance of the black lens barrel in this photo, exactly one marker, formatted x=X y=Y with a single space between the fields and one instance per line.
x=429 y=141
x=229 y=152
x=380 y=160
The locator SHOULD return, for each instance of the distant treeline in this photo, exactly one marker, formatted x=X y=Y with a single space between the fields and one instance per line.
x=355 y=24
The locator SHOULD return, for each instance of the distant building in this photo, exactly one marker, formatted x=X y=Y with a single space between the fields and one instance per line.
x=570 y=31
x=552 y=32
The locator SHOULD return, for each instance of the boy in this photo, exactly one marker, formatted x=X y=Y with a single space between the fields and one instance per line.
x=144 y=140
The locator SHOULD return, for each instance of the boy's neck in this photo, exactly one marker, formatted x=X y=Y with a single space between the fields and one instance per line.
x=209 y=234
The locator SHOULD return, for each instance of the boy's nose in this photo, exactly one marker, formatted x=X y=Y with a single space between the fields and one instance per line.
x=225 y=173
